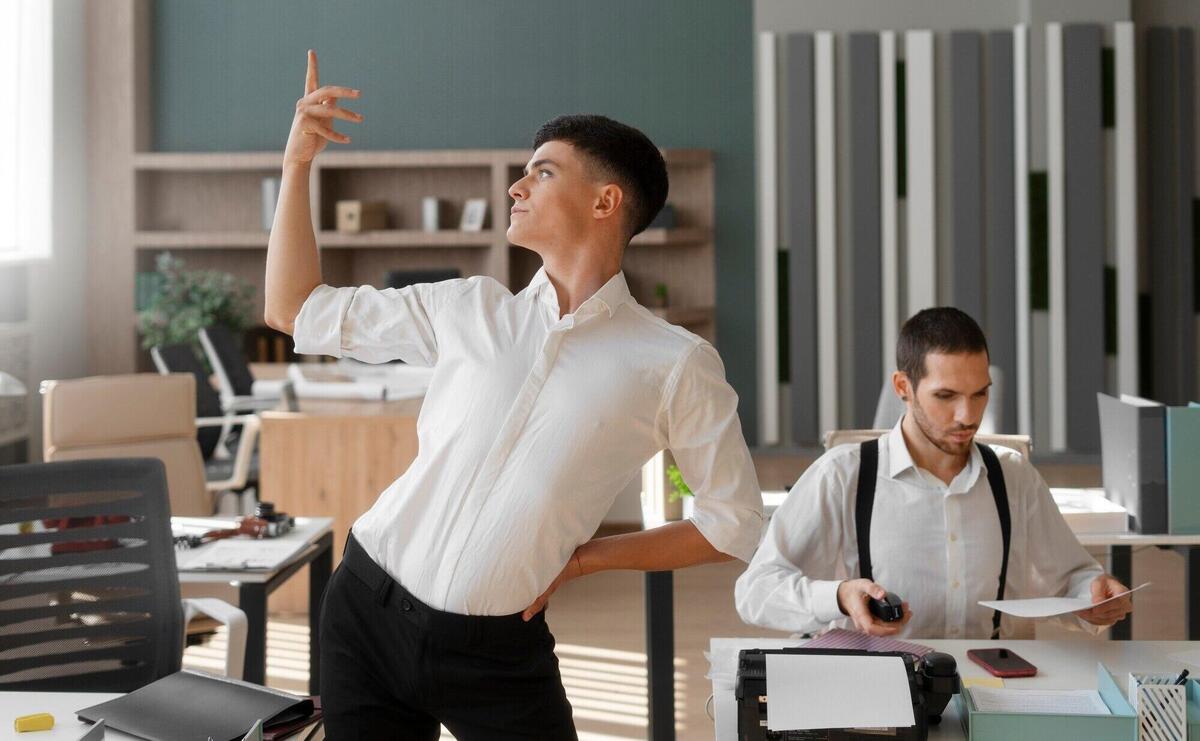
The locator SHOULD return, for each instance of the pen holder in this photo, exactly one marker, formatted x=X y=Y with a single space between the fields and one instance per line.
x=1161 y=707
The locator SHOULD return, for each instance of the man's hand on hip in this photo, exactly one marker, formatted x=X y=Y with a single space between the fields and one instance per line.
x=569 y=572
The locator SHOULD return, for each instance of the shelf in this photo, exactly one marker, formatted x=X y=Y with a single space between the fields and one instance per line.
x=678 y=236
x=210 y=161
x=685 y=315
x=331 y=239
x=407 y=238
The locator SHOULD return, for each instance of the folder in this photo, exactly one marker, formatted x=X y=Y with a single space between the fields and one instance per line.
x=193 y=706
x=1183 y=469
x=1134 y=461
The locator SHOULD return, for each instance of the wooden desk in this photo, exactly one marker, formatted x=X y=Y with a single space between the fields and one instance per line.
x=332 y=458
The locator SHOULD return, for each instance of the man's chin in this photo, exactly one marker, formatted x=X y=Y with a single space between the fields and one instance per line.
x=955 y=446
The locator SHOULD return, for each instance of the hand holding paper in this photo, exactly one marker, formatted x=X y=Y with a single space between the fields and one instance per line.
x=1042 y=607
x=1110 y=601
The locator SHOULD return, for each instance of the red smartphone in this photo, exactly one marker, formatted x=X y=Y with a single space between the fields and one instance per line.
x=1001 y=662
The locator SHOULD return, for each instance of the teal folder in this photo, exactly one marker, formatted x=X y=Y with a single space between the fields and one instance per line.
x=1120 y=726
x=1183 y=469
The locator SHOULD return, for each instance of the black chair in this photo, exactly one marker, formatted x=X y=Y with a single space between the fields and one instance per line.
x=239 y=392
x=89 y=594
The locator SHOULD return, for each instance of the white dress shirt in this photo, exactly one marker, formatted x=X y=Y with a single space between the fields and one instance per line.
x=531 y=427
x=938 y=547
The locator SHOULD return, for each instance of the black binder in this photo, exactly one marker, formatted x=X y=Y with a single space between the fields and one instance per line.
x=189 y=705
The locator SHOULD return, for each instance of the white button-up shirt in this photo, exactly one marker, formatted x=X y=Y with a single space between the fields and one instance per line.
x=531 y=426
x=939 y=547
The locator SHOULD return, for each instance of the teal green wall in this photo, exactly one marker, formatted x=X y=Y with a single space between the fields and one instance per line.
x=483 y=73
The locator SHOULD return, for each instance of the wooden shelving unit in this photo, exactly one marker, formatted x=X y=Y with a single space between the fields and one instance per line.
x=207 y=207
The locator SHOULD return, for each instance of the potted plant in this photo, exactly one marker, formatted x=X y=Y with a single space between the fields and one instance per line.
x=188 y=300
x=665 y=495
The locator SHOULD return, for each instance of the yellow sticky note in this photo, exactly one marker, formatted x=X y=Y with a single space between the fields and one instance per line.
x=35 y=722
x=982 y=682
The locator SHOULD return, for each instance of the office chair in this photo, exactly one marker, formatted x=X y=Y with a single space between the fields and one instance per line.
x=239 y=392
x=142 y=415
x=90 y=598
x=1023 y=444
x=214 y=441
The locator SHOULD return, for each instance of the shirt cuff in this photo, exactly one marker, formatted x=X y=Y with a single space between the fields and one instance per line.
x=318 y=328
x=825 y=602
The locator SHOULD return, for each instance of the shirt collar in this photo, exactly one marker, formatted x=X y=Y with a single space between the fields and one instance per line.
x=610 y=296
x=900 y=460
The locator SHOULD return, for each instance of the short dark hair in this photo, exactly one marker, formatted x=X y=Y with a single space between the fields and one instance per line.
x=622 y=153
x=943 y=329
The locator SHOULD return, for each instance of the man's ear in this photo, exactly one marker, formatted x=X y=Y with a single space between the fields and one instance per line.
x=901 y=385
x=608 y=200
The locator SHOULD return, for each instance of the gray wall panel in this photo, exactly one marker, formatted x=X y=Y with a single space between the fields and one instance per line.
x=1084 y=157
x=1185 y=189
x=799 y=230
x=966 y=171
x=1000 y=311
x=864 y=227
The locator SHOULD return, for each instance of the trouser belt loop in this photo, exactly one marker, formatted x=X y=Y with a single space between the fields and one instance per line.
x=384 y=591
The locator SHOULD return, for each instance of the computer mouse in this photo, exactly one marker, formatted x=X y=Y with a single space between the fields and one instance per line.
x=889 y=609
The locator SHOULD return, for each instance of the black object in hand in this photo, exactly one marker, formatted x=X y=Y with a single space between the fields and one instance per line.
x=889 y=609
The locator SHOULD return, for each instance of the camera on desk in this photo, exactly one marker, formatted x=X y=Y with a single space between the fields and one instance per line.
x=276 y=523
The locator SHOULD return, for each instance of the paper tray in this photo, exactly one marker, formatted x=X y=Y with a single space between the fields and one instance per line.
x=1120 y=726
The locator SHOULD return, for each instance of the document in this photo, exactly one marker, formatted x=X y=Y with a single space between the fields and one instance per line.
x=1053 y=702
x=1042 y=607
x=806 y=692
x=237 y=554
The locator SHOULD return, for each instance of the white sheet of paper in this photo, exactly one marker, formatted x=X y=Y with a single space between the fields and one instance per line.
x=810 y=691
x=236 y=553
x=1041 y=607
x=1055 y=702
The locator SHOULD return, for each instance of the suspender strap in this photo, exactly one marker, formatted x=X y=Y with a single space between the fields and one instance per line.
x=1000 y=495
x=864 y=503
x=864 y=506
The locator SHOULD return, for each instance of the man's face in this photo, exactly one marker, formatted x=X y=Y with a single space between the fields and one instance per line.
x=554 y=202
x=949 y=402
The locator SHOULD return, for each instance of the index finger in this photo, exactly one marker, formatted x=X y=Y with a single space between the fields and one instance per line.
x=310 y=80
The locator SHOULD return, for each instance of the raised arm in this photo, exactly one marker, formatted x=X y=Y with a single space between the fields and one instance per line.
x=293 y=262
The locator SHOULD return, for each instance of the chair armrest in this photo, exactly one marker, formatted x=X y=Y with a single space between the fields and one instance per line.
x=234 y=621
x=233 y=404
x=245 y=451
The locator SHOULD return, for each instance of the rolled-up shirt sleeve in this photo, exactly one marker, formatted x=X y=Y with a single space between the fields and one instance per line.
x=373 y=325
x=704 y=435
x=792 y=582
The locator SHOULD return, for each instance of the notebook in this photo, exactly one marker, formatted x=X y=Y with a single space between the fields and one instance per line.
x=193 y=706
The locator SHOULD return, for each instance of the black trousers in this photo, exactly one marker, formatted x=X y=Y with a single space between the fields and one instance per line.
x=394 y=668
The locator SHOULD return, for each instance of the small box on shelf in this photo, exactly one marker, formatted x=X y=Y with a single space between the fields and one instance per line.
x=361 y=216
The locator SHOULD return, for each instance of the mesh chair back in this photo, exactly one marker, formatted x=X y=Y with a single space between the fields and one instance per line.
x=230 y=359
x=182 y=359
x=89 y=595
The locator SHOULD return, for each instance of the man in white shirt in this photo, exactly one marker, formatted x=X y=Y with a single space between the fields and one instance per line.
x=943 y=523
x=541 y=408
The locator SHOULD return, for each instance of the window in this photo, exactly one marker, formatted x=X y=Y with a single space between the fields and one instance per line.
x=26 y=132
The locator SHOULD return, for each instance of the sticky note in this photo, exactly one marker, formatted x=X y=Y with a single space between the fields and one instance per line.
x=35 y=722
x=982 y=682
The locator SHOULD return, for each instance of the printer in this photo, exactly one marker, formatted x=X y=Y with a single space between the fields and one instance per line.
x=932 y=681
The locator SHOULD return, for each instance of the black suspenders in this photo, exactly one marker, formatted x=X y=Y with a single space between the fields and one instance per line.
x=864 y=505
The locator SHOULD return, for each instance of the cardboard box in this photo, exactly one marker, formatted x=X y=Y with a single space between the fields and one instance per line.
x=361 y=216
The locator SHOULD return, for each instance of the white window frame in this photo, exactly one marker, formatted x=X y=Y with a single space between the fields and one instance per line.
x=26 y=236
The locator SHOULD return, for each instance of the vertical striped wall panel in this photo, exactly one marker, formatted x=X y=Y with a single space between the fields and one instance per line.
x=855 y=132
x=1024 y=334
x=1125 y=179
x=1084 y=234
x=864 y=226
x=1056 y=171
x=800 y=231
x=1170 y=131
x=768 y=241
x=827 y=231
x=966 y=170
x=1000 y=283
x=888 y=204
x=920 y=132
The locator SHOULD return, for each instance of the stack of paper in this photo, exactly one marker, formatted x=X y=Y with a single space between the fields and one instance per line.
x=1051 y=702
x=1090 y=511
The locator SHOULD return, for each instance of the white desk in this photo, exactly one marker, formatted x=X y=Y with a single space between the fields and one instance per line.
x=63 y=705
x=255 y=586
x=1061 y=665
